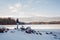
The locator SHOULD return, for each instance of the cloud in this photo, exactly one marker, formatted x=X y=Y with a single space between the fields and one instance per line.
x=15 y=7
x=23 y=10
x=18 y=7
x=20 y=10
x=29 y=9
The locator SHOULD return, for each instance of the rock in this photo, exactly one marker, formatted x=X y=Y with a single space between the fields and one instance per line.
x=33 y=31
x=54 y=35
x=51 y=33
x=3 y=29
x=40 y=33
x=47 y=33
x=22 y=28
x=28 y=28
x=6 y=30
x=12 y=31
x=28 y=31
x=37 y=33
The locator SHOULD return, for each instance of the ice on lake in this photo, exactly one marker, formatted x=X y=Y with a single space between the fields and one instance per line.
x=46 y=26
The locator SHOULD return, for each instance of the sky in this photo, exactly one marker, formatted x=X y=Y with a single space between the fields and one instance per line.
x=29 y=8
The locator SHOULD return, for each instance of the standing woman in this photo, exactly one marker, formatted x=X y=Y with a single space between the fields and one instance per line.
x=17 y=22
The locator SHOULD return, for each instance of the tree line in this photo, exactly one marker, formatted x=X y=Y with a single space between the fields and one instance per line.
x=8 y=21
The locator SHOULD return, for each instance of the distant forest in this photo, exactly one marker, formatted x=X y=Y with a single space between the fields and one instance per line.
x=8 y=21
x=11 y=21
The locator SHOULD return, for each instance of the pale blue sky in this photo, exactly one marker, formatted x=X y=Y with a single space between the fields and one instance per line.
x=29 y=8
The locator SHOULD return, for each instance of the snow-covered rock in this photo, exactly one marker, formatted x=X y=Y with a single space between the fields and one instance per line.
x=3 y=29
x=22 y=28
x=28 y=28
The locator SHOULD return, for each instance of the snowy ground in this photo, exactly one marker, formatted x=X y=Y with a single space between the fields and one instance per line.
x=21 y=35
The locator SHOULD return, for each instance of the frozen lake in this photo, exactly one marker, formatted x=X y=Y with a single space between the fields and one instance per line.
x=46 y=26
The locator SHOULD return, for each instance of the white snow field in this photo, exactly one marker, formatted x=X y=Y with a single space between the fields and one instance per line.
x=21 y=35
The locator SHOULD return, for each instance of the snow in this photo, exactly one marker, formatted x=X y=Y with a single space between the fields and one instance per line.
x=21 y=35
x=1 y=27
